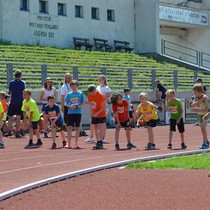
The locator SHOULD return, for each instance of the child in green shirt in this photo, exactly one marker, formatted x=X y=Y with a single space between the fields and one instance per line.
x=31 y=118
x=175 y=106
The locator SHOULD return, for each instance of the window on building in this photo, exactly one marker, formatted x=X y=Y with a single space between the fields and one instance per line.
x=24 y=5
x=110 y=15
x=78 y=11
x=43 y=6
x=95 y=13
x=61 y=9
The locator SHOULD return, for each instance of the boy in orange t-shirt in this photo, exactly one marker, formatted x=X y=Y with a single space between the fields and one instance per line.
x=98 y=114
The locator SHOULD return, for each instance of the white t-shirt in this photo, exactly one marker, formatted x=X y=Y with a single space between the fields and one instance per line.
x=65 y=88
x=104 y=90
x=47 y=93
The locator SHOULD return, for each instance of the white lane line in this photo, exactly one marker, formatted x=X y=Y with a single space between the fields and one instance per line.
x=70 y=161
x=40 y=183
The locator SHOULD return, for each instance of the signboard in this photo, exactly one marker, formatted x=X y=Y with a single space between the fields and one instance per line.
x=44 y=26
x=183 y=16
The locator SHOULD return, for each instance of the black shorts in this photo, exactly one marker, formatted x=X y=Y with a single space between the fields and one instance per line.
x=152 y=123
x=125 y=124
x=74 y=120
x=95 y=120
x=65 y=114
x=14 y=109
x=34 y=125
x=180 y=125
x=131 y=114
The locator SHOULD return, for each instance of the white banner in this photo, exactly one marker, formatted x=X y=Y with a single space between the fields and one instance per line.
x=183 y=16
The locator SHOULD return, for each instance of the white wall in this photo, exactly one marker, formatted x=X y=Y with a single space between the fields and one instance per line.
x=147 y=26
x=16 y=23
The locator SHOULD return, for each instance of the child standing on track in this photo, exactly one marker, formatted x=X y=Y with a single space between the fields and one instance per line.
x=48 y=90
x=130 y=109
x=120 y=109
x=74 y=101
x=31 y=117
x=98 y=114
x=176 y=110
x=52 y=112
x=148 y=110
x=200 y=105
x=2 y=120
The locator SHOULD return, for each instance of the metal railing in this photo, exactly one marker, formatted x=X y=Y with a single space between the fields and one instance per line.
x=139 y=79
x=185 y=54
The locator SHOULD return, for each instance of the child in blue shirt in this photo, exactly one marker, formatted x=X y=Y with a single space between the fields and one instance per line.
x=74 y=101
x=52 y=112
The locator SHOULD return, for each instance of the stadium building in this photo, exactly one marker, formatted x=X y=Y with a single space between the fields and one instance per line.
x=143 y=23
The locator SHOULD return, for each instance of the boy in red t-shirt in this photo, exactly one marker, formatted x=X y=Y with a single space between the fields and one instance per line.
x=122 y=118
x=98 y=114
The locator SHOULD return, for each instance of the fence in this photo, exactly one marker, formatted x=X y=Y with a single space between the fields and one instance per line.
x=135 y=78
x=186 y=54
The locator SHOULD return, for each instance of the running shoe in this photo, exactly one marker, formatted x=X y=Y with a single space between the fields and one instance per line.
x=45 y=135
x=53 y=146
x=150 y=146
x=204 y=146
x=22 y=133
x=130 y=146
x=68 y=146
x=183 y=146
x=38 y=143
x=64 y=143
x=17 y=135
x=117 y=147
x=1 y=145
x=99 y=145
x=89 y=140
x=9 y=133
x=29 y=145
x=83 y=133
x=76 y=146
x=169 y=146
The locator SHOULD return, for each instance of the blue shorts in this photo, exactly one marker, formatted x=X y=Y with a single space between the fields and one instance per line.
x=59 y=125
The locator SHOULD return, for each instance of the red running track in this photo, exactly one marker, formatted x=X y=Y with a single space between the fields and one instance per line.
x=20 y=166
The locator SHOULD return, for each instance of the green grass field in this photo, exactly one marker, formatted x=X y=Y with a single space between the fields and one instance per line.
x=189 y=162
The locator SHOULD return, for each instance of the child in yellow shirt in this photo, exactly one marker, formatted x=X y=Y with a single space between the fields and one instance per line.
x=2 y=119
x=148 y=110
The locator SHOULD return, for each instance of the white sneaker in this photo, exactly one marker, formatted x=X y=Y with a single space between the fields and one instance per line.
x=89 y=140
x=104 y=141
